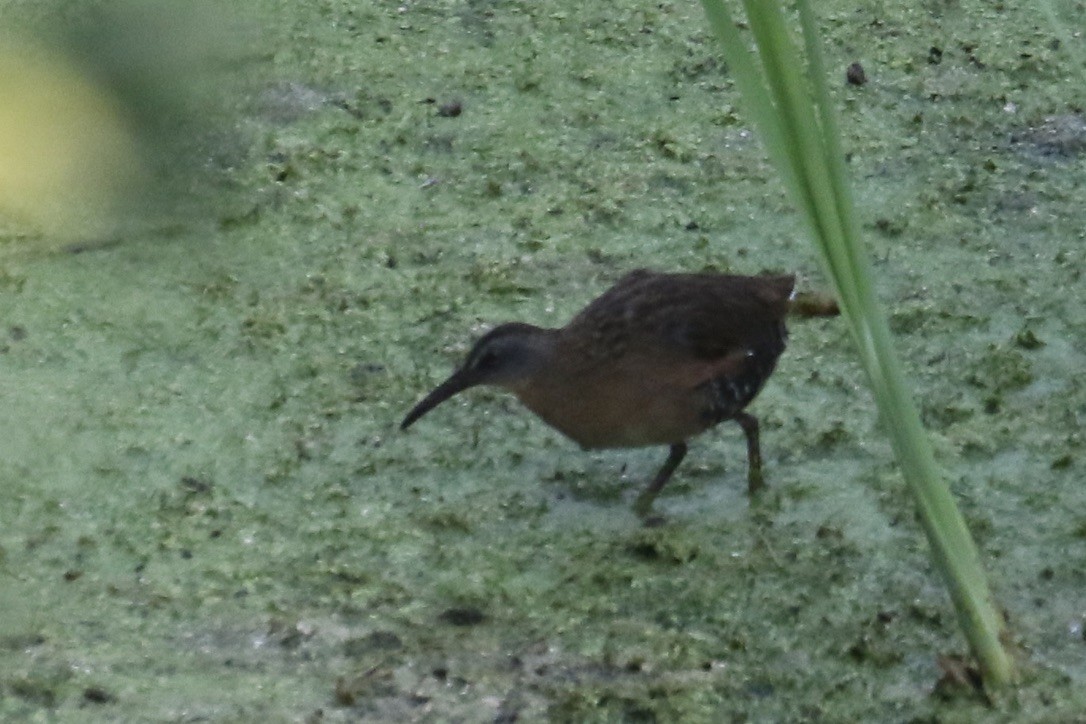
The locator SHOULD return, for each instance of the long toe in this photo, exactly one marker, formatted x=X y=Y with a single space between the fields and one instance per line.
x=755 y=481
x=643 y=505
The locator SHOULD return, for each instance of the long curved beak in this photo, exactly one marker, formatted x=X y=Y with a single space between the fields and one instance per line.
x=458 y=382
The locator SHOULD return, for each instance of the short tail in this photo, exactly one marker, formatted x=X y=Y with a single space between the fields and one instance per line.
x=813 y=304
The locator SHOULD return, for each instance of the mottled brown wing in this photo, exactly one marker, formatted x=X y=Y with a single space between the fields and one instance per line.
x=708 y=316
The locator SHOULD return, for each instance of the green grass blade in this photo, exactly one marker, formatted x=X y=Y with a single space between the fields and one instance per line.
x=748 y=79
x=791 y=107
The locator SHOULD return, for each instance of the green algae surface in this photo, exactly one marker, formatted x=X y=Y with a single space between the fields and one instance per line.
x=209 y=513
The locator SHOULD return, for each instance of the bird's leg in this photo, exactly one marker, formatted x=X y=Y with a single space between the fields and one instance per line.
x=644 y=501
x=749 y=423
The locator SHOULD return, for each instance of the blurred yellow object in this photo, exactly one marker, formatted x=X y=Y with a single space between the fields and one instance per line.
x=66 y=156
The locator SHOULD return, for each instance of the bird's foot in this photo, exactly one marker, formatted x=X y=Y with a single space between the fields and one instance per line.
x=755 y=481
x=642 y=507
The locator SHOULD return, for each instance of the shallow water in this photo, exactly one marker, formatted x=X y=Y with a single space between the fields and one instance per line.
x=210 y=514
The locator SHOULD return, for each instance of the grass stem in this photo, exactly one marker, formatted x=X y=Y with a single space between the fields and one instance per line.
x=789 y=102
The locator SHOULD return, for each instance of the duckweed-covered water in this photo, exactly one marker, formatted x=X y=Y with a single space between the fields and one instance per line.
x=209 y=513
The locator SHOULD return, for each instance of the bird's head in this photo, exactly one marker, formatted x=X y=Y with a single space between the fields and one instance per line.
x=506 y=356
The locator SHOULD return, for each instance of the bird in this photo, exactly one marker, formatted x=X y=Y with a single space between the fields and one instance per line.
x=653 y=361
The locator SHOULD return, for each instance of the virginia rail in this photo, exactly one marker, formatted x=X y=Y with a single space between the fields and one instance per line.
x=655 y=360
